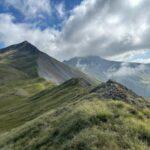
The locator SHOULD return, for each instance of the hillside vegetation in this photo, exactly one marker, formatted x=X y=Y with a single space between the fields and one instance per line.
x=24 y=95
x=35 y=114
x=88 y=123
x=18 y=82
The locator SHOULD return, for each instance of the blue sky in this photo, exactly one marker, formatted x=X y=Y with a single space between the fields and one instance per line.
x=69 y=28
x=50 y=19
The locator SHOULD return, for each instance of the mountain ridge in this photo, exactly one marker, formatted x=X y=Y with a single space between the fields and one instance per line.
x=77 y=115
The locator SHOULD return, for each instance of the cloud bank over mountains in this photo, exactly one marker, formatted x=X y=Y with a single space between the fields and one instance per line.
x=116 y=30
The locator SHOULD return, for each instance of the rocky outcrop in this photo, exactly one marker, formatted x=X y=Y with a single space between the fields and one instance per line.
x=116 y=91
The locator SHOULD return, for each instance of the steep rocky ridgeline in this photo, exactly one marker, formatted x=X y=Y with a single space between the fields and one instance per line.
x=113 y=90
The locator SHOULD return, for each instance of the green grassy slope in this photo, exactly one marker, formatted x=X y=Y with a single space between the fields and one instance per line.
x=86 y=124
x=14 y=97
x=18 y=82
x=35 y=114
x=23 y=94
x=16 y=111
x=39 y=115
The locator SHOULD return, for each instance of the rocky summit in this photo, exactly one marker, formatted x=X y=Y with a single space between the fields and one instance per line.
x=113 y=90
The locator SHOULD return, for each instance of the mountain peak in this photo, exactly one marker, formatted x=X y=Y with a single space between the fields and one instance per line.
x=25 y=44
x=20 y=47
x=85 y=58
x=27 y=58
x=112 y=82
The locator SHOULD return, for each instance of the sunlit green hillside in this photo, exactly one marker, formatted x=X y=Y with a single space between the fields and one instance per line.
x=35 y=114
x=88 y=123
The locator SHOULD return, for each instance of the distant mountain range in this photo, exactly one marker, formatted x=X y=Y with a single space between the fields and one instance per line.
x=135 y=76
